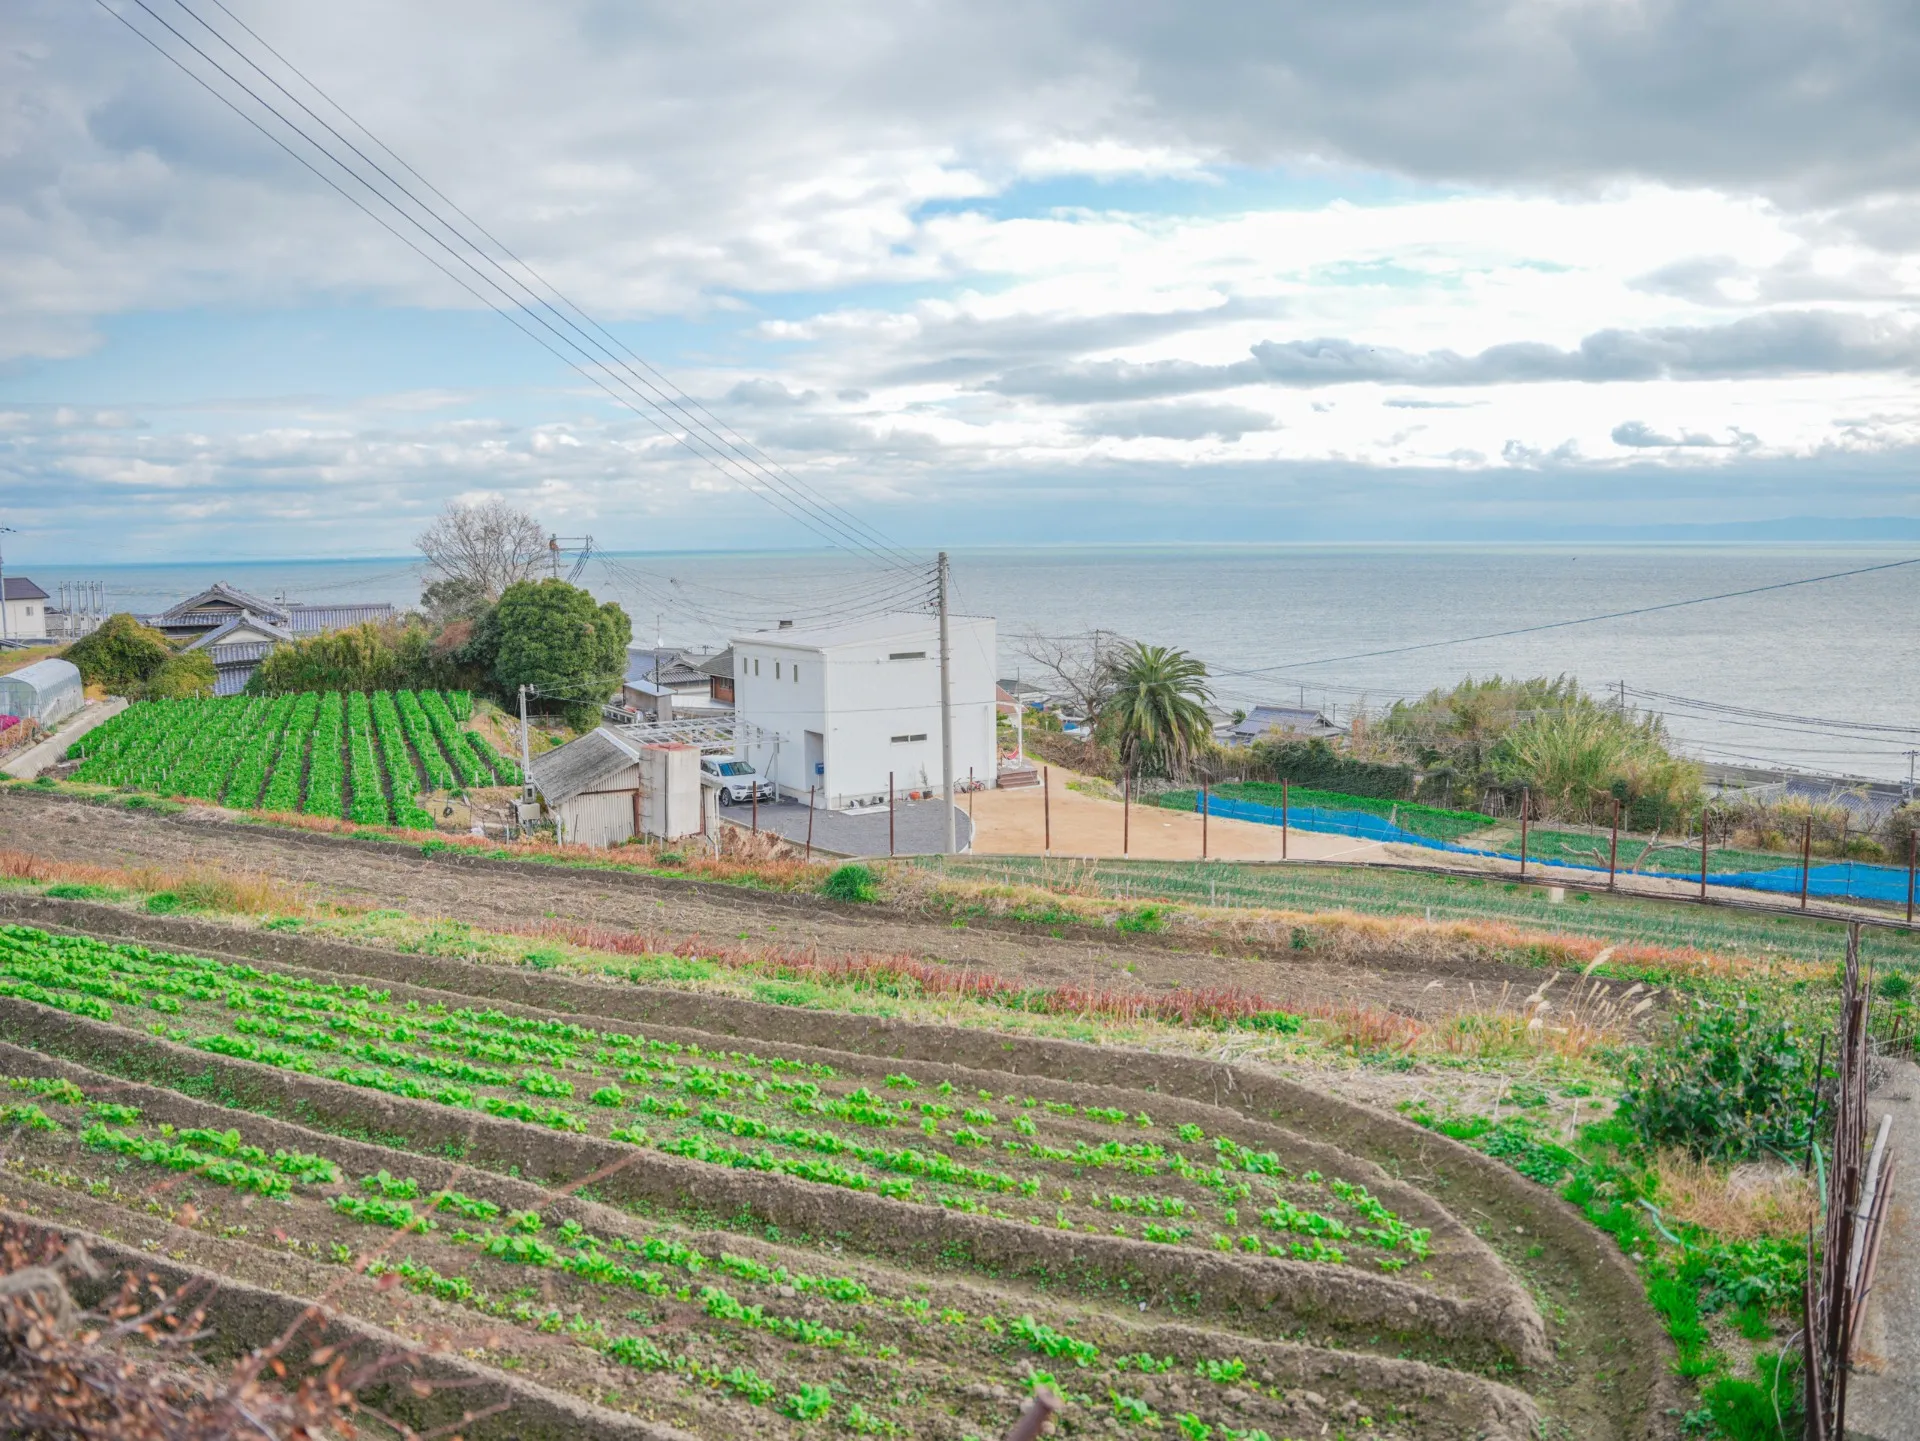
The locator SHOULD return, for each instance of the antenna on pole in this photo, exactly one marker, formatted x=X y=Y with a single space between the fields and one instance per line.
x=946 y=703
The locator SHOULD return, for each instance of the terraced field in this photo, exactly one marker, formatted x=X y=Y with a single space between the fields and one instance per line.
x=365 y=758
x=649 y=1212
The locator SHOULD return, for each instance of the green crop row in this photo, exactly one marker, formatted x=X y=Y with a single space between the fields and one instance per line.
x=368 y=805
x=425 y=744
x=282 y=795
x=402 y=781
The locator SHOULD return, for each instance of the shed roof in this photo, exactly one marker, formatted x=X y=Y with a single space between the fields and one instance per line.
x=581 y=765
x=1264 y=718
x=18 y=587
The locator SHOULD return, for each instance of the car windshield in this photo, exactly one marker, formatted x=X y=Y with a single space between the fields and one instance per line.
x=735 y=768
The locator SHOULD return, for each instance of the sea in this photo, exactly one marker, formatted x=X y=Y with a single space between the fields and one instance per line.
x=1751 y=656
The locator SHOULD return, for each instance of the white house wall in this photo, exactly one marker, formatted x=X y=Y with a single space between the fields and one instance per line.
x=862 y=702
x=26 y=619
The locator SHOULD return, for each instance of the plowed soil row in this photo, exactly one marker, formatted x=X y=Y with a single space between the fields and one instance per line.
x=1607 y=1377
x=250 y=1239
x=506 y=895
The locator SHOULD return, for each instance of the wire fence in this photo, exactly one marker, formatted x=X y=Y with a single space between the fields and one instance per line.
x=1800 y=876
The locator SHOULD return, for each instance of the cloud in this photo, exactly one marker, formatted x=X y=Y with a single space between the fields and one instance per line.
x=1786 y=343
x=1640 y=435
x=1177 y=422
x=763 y=394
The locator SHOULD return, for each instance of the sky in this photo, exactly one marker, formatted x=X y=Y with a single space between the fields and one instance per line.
x=1111 y=272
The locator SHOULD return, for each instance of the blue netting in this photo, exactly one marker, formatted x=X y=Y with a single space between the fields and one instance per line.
x=1854 y=880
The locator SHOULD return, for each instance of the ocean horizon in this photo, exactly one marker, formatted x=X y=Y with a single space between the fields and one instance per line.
x=1333 y=625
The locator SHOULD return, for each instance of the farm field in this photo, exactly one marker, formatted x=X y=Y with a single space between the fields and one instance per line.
x=1076 y=1146
x=365 y=758
x=1368 y=891
x=777 y=1239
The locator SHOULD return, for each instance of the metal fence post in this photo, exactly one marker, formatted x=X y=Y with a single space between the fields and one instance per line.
x=1046 y=810
x=1126 y=813
x=1913 y=855
x=1613 y=846
x=1285 y=797
x=1806 y=861
x=756 y=807
x=810 y=823
x=890 y=811
x=1203 y=820
x=1526 y=797
x=1703 y=855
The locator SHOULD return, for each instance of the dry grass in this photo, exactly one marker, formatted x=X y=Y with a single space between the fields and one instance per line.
x=1743 y=1203
x=1337 y=934
x=251 y=893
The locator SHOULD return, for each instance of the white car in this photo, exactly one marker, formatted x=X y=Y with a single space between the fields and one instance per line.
x=734 y=779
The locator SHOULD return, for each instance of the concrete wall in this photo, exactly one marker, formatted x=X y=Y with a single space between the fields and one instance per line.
x=874 y=714
x=670 y=801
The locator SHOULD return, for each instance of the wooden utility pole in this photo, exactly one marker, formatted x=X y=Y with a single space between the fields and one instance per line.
x=942 y=586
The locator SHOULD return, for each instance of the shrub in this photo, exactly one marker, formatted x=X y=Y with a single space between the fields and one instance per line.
x=121 y=655
x=181 y=676
x=1728 y=1085
x=1315 y=763
x=852 y=882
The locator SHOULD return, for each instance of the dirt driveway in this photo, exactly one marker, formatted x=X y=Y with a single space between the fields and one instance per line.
x=503 y=897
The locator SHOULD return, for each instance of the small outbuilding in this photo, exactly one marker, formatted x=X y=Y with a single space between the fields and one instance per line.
x=604 y=789
x=48 y=691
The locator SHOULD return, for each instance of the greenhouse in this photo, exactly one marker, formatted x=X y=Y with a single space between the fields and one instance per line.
x=47 y=691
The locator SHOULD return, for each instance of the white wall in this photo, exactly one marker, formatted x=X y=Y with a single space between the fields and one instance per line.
x=859 y=699
x=26 y=619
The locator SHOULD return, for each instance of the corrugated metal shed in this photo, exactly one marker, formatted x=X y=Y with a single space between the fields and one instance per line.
x=47 y=691
x=582 y=765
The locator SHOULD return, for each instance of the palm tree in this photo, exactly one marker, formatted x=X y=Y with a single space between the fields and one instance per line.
x=1155 y=716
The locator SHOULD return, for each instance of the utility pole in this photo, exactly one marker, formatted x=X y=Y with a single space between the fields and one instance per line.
x=526 y=751
x=946 y=703
x=9 y=530
x=1623 y=697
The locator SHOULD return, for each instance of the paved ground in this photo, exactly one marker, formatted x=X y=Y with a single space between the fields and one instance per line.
x=918 y=826
x=36 y=758
x=1883 y=1399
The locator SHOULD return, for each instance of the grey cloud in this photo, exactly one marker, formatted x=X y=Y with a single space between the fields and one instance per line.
x=1177 y=422
x=1408 y=402
x=763 y=394
x=1639 y=434
x=1783 y=343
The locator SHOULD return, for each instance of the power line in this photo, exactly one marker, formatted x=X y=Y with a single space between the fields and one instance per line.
x=682 y=400
x=1719 y=708
x=1580 y=620
x=831 y=522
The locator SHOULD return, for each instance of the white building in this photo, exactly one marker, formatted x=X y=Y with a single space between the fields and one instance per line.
x=23 y=609
x=841 y=706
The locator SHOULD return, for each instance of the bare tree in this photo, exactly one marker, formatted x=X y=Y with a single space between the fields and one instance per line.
x=1080 y=668
x=480 y=550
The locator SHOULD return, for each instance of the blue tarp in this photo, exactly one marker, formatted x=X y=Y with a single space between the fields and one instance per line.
x=1856 y=880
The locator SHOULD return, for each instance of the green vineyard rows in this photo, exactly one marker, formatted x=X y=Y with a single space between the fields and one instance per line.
x=363 y=757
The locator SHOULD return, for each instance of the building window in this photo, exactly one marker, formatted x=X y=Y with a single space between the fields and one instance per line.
x=776 y=670
x=796 y=672
x=756 y=665
x=908 y=655
x=908 y=740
